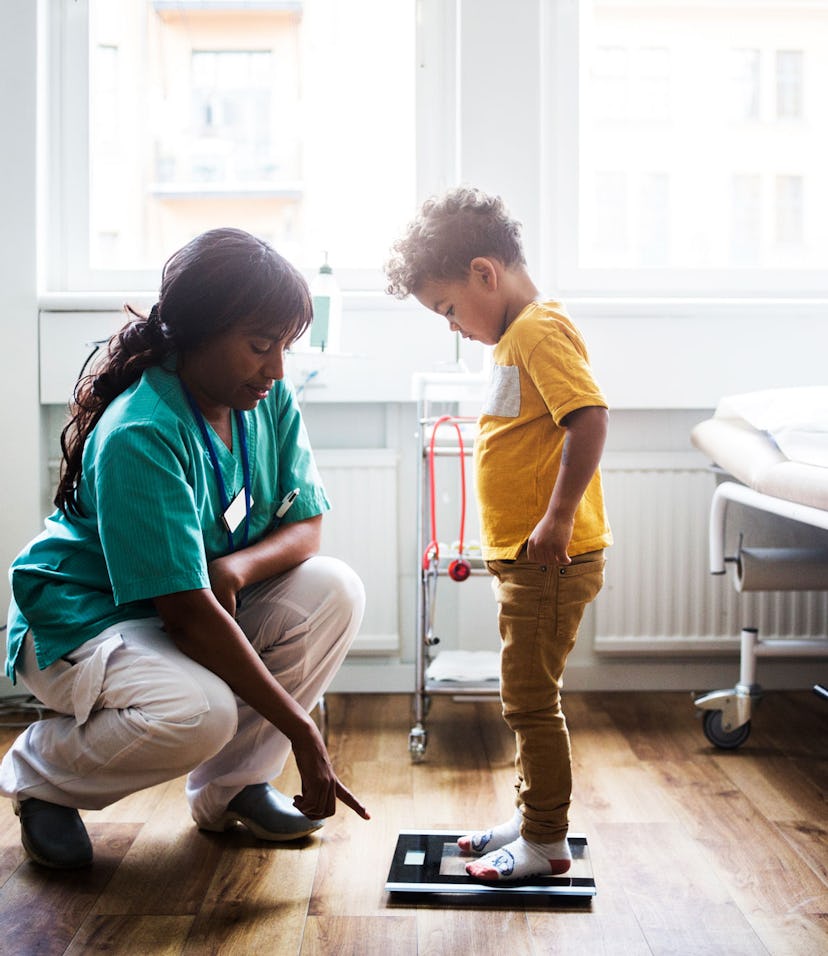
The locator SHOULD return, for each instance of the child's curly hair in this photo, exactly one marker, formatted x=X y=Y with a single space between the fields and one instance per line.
x=447 y=234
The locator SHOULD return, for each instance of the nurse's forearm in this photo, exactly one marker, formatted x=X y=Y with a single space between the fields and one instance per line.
x=277 y=552
x=205 y=632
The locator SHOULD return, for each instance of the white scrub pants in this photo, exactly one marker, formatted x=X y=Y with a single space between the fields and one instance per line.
x=139 y=712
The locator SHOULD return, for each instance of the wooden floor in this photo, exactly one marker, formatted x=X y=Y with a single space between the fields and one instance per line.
x=694 y=851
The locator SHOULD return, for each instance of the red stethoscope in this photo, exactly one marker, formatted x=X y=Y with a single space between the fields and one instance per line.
x=459 y=568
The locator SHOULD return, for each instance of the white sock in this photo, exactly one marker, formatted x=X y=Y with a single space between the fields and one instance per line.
x=484 y=840
x=519 y=859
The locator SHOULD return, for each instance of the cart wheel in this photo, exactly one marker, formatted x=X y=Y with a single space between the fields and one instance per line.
x=417 y=741
x=721 y=738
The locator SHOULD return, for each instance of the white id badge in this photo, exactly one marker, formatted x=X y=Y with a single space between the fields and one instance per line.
x=235 y=513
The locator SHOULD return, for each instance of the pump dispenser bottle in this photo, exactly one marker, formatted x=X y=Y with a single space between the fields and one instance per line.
x=327 y=310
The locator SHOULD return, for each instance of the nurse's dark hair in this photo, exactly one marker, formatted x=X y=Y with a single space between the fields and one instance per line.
x=447 y=234
x=222 y=279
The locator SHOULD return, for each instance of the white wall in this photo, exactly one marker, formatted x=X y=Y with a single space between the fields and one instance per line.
x=19 y=413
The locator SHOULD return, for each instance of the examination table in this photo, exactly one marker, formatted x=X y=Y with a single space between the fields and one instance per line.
x=770 y=451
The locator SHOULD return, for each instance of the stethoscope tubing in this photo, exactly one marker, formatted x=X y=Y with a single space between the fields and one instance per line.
x=459 y=569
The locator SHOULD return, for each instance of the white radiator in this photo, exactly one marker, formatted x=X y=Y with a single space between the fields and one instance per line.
x=659 y=596
x=361 y=529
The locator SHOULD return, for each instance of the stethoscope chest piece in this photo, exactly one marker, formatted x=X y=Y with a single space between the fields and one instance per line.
x=459 y=569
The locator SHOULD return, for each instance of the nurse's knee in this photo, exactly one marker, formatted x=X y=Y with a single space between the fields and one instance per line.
x=218 y=724
x=342 y=585
x=201 y=721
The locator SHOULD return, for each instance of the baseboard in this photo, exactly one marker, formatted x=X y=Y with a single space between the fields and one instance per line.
x=364 y=676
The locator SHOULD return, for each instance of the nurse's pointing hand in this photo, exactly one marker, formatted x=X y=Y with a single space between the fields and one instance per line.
x=321 y=788
x=342 y=793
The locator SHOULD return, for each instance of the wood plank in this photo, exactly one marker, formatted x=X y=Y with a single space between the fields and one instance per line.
x=131 y=935
x=594 y=734
x=369 y=726
x=620 y=794
x=774 y=784
x=797 y=934
x=663 y=730
x=810 y=841
x=369 y=750
x=11 y=851
x=497 y=740
x=168 y=868
x=360 y=936
x=257 y=900
x=355 y=854
x=42 y=909
x=777 y=787
x=795 y=722
x=455 y=788
x=678 y=902
x=474 y=929
x=776 y=889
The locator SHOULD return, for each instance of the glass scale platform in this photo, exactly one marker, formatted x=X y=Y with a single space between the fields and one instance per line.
x=429 y=862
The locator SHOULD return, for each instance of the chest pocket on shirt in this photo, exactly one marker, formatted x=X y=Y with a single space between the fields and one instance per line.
x=503 y=398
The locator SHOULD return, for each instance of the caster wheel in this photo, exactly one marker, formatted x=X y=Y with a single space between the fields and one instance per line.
x=721 y=738
x=417 y=741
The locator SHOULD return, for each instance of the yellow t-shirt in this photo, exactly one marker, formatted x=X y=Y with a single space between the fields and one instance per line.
x=541 y=373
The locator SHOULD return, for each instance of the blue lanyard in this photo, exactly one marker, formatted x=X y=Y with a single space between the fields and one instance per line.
x=211 y=449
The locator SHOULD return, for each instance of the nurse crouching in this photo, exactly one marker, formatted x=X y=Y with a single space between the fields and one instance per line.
x=174 y=613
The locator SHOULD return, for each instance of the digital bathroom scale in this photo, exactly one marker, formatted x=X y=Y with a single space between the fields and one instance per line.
x=430 y=862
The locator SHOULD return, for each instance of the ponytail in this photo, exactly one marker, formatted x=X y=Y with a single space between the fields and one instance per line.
x=140 y=344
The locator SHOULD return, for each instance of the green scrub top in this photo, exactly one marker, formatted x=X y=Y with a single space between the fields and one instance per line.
x=151 y=513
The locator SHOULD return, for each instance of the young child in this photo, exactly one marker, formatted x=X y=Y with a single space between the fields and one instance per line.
x=543 y=523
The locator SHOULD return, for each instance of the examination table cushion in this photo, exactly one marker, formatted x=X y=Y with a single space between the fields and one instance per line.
x=774 y=441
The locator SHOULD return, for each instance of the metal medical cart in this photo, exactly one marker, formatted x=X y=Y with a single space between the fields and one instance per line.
x=444 y=436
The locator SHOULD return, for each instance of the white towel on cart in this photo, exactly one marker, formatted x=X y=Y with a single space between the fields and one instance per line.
x=465 y=666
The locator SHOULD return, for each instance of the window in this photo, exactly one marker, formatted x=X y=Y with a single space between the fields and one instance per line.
x=746 y=220
x=745 y=84
x=789 y=67
x=233 y=139
x=789 y=212
x=651 y=147
x=271 y=115
x=689 y=163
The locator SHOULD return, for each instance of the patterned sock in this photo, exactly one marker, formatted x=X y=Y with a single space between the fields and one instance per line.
x=484 y=840
x=520 y=859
